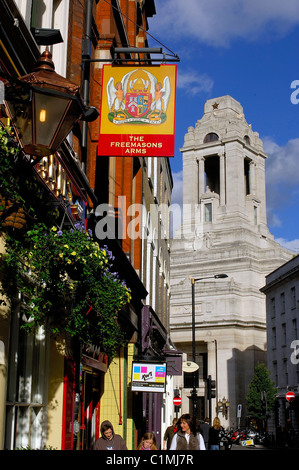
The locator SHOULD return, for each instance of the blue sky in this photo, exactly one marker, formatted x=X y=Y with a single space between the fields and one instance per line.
x=249 y=50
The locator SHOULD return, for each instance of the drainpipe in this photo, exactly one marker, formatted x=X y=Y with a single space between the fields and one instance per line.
x=86 y=54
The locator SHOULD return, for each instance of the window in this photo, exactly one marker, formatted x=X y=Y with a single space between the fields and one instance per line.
x=273 y=307
x=247 y=176
x=282 y=302
x=255 y=212
x=212 y=174
x=27 y=387
x=247 y=140
x=211 y=137
x=274 y=338
x=283 y=335
x=208 y=212
x=295 y=329
x=275 y=373
x=285 y=372
x=293 y=297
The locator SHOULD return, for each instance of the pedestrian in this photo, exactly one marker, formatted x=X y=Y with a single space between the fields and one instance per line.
x=169 y=433
x=186 y=437
x=214 y=434
x=148 y=442
x=109 y=440
x=205 y=427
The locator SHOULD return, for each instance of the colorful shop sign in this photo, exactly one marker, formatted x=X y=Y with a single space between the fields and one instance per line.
x=138 y=111
x=148 y=377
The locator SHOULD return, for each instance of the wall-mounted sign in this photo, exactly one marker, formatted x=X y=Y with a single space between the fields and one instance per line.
x=148 y=377
x=138 y=111
x=189 y=366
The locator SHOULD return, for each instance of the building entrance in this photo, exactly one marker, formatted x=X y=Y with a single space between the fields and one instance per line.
x=90 y=408
x=200 y=407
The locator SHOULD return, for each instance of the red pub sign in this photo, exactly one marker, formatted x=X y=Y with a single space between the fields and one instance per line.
x=138 y=111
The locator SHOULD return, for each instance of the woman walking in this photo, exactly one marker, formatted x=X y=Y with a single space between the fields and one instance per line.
x=186 y=438
x=214 y=434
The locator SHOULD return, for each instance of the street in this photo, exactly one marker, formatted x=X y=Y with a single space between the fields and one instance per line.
x=260 y=447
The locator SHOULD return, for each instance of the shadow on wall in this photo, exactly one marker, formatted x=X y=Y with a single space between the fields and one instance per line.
x=240 y=370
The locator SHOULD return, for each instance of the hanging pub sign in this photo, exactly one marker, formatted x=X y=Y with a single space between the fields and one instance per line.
x=138 y=111
x=148 y=377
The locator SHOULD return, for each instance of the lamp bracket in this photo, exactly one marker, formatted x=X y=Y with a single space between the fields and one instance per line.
x=115 y=59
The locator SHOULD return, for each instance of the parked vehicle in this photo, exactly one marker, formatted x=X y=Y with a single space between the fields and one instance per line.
x=225 y=440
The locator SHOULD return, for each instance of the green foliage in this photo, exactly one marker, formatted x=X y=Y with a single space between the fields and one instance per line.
x=9 y=181
x=68 y=284
x=65 y=278
x=258 y=407
x=18 y=182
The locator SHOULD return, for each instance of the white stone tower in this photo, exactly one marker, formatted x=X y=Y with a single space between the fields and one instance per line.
x=224 y=230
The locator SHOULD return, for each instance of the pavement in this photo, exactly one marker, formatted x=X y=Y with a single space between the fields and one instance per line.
x=260 y=447
x=254 y=447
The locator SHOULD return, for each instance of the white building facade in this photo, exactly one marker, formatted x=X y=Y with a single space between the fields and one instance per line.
x=224 y=230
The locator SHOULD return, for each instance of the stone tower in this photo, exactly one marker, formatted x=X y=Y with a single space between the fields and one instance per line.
x=224 y=230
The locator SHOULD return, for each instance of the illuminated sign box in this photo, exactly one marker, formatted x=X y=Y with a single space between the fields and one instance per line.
x=148 y=377
x=138 y=111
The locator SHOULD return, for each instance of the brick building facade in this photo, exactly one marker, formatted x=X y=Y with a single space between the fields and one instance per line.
x=81 y=391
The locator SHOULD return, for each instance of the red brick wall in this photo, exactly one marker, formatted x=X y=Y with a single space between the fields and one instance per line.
x=108 y=33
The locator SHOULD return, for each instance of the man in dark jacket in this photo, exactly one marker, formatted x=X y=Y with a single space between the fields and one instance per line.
x=109 y=440
x=205 y=427
x=169 y=433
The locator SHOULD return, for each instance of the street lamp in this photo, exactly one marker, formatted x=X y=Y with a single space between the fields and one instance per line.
x=194 y=391
x=43 y=107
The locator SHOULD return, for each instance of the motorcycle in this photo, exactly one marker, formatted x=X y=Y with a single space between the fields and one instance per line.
x=225 y=440
x=235 y=436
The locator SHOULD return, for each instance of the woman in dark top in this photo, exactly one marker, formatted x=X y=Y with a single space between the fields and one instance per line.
x=214 y=434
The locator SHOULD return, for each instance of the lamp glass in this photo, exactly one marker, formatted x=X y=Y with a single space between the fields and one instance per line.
x=49 y=112
x=20 y=111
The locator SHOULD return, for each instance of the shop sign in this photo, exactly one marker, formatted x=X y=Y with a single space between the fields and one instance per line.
x=93 y=357
x=148 y=377
x=138 y=111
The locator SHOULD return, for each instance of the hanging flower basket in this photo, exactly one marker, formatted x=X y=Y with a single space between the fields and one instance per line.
x=11 y=214
x=69 y=282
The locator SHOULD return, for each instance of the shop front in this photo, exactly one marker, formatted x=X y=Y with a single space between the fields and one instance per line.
x=83 y=388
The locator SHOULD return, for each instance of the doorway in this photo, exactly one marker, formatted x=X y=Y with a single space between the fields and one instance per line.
x=90 y=408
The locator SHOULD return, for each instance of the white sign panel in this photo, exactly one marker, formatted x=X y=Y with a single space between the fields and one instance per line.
x=148 y=377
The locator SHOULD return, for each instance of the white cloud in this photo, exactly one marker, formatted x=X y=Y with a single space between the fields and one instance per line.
x=193 y=83
x=282 y=162
x=292 y=245
x=176 y=201
x=177 y=193
x=217 y=22
x=282 y=179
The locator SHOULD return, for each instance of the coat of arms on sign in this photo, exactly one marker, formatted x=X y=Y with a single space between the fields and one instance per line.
x=138 y=98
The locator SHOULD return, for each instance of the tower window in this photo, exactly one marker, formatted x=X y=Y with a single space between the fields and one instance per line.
x=211 y=137
x=247 y=140
x=246 y=176
x=208 y=212
x=212 y=175
x=255 y=214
